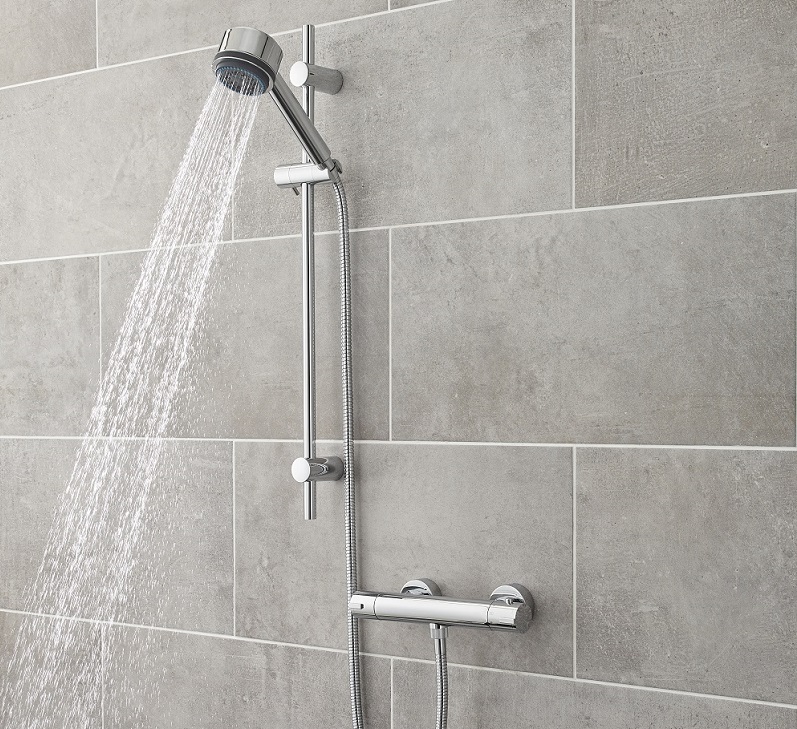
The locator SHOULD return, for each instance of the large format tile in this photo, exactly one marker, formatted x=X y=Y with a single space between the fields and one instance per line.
x=656 y=324
x=246 y=377
x=182 y=557
x=34 y=473
x=430 y=124
x=487 y=698
x=45 y=38
x=683 y=100
x=470 y=517
x=161 y=680
x=49 y=359
x=143 y=28
x=686 y=572
x=89 y=159
x=279 y=555
x=50 y=673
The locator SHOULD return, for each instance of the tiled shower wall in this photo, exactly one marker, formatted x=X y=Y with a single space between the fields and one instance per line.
x=574 y=280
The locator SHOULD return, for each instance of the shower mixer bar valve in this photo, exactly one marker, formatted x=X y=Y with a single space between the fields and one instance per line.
x=509 y=607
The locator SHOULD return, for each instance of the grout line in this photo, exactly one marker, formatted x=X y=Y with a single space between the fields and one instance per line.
x=108 y=67
x=99 y=307
x=234 y=553
x=97 y=31
x=795 y=329
x=574 y=545
x=608 y=684
x=232 y=216
x=103 y=639
x=341 y=651
x=365 y=441
x=392 y=693
x=430 y=223
x=177 y=631
x=380 y=13
x=390 y=333
x=201 y=48
x=573 y=101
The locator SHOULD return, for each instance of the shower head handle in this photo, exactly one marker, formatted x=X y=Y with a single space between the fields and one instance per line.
x=250 y=53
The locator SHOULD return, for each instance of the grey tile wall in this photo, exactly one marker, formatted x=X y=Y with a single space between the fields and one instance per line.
x=661 y=324
x=439 y=128
x=248 y=373
x=686 y=573
x=35 y=472
x=183 y=574
x=484 y=516
x=683 y=100
x=486 y=698
x=142 y=28
x=168 y=679
x=49 y=358
x=91 y=157
x=56 y=679
x=61 y=40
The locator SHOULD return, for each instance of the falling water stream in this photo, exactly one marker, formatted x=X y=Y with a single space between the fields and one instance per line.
x=106 y=512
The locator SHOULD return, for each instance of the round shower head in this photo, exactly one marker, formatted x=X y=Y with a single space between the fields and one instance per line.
x=247 y=61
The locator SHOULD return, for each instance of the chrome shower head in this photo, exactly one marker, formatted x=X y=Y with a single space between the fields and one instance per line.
x=248 y=62
x=246 y=53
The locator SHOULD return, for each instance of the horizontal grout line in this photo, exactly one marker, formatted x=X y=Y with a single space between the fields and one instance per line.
x=526 y=674
x=391 y=11
x=161 y=629
x=365 y=441
x=85 y=71
x=594 y=682
x=199 y=49
x=432 y=223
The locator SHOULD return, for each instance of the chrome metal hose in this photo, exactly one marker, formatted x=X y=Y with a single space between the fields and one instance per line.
x=350 y=517
x=439 y=635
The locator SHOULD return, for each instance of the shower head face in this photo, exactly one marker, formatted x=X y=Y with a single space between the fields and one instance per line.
x=247 y=61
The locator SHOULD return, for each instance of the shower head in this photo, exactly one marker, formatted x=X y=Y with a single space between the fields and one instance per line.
x=248 y=54
x=248 y=62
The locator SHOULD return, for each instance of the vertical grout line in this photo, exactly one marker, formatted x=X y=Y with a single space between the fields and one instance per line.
x=232 y=216
x=575 y=620
x=103 y=639
x=99 y=308
x=390 y=331
x=795 y=320
x=97 y=31
x=392 y=693
x=234 y=555
x=573 y=102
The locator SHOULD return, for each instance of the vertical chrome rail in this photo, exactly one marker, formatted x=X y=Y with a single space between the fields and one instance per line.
x=308 y=278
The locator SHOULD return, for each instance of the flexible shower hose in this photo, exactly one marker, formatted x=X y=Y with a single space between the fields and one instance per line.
x=350 y=520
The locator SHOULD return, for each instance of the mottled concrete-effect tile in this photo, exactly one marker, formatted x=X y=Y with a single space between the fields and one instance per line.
x=182 y=559
x=139 y=29
x=245 y=379
x=470 y=517
x=163 y=680
x=49 y=359
x=679 y=100
x=657 y=324
x=433 y=124
x=42 y=38
x=489 y=699
x=686 y=571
